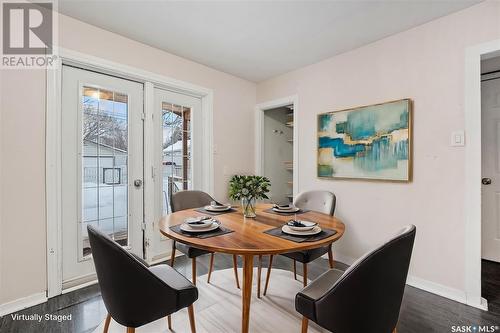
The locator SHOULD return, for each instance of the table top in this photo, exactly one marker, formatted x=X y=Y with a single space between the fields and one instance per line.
x=248 y=237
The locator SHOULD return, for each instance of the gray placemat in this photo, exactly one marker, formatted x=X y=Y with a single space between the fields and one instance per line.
x=277 y=232
x=271 y=211
x=204 y=211
x=217 y=232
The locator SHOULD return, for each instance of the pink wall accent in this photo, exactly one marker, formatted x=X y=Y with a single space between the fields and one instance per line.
x=427 y=65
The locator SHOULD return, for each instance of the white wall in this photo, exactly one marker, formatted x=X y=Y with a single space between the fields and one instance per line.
x=427 y=65
x=22 y=140
x=22 y=180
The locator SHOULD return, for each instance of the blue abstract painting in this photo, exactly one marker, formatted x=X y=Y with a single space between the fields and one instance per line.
x=369 y=142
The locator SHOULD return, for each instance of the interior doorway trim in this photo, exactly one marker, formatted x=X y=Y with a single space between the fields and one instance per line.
x=473 y=57
x=53 y=165
x=259 y=132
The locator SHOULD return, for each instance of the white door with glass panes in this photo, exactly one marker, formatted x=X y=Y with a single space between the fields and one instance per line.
x=102 y=167
x=178 y=158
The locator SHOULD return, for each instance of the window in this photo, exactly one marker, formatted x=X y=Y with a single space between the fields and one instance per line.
x=176 y=132
x=111 y=176
x=104 y=162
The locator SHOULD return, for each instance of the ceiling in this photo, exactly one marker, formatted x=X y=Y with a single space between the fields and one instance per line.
x=257 y=40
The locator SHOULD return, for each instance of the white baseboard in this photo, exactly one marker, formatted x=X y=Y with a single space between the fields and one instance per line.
x=164 y=257
x=426 y=285
x=438 y=289
x=341 y=258
x=22 y=303
x=79 y=286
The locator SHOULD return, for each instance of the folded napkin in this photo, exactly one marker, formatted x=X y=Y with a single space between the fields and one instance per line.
x=283 y=206
x=217 y=204
x=277 y=232
x=217 y=232
x=196 y=219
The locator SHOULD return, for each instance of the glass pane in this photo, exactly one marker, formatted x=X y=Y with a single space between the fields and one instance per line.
x=176 y=129
x=104 y=163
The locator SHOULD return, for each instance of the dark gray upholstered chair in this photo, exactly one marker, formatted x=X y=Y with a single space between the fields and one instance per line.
x=187 y=200
x=319 y=201
x=134 y=293
x=367 y=296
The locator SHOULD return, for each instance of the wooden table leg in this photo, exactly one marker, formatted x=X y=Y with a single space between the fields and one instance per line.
x=259 y=273
x=305 y=324
x=106 y=323
x=235 y=268
x=330 y=256
x=247 y=291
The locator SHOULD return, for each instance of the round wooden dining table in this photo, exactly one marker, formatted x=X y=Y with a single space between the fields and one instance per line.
x=248 y=239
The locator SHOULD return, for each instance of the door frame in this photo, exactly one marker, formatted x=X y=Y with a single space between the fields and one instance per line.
x=473 y=220
x=53 y=141
x=259 y=132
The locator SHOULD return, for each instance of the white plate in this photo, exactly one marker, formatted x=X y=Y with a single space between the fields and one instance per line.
x=217 y=209
x=287 y=210
x=187 y=228
x=287 y=230
x=308 y=226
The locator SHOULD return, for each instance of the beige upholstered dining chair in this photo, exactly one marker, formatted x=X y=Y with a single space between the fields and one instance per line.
x=188 y=200
x=319 y=201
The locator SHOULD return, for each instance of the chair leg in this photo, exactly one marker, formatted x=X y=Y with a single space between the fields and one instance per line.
x=106 y=323
x=235 y=268
x=295 y=269
x=193 y=270
x=305 y=324
x=394 y=330
x=305 y=274
x=268 y=273
x=191 y=318
x=259 y=274
x=169 y=321
x=172 y=257
x=130 y=330
x=211 y=267
x=330 y=256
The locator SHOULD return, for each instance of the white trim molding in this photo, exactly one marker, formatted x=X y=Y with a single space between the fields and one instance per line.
x=53 y=143
x=423 y=284
x=53 y=180
x=259 y=132
x=473 y=57
x=22 y=303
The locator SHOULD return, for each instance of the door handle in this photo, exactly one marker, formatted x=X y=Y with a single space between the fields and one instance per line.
x=486 y=181
x=138 y=183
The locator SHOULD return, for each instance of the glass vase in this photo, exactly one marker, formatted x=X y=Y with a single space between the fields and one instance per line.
x=248 y=207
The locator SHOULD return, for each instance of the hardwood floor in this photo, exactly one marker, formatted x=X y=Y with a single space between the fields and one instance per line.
x=491 y=284
x=420 y=312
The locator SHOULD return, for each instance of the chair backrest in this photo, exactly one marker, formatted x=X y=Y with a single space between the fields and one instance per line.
x=129 y=290
x=189 y=199
x=318 y=201
x=371 y=289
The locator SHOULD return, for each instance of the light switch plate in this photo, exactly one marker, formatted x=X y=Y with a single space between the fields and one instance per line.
x=457 y=139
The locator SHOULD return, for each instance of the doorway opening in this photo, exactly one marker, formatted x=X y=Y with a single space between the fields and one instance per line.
x=276 y=146
x=490 y=152
x=278 y=152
